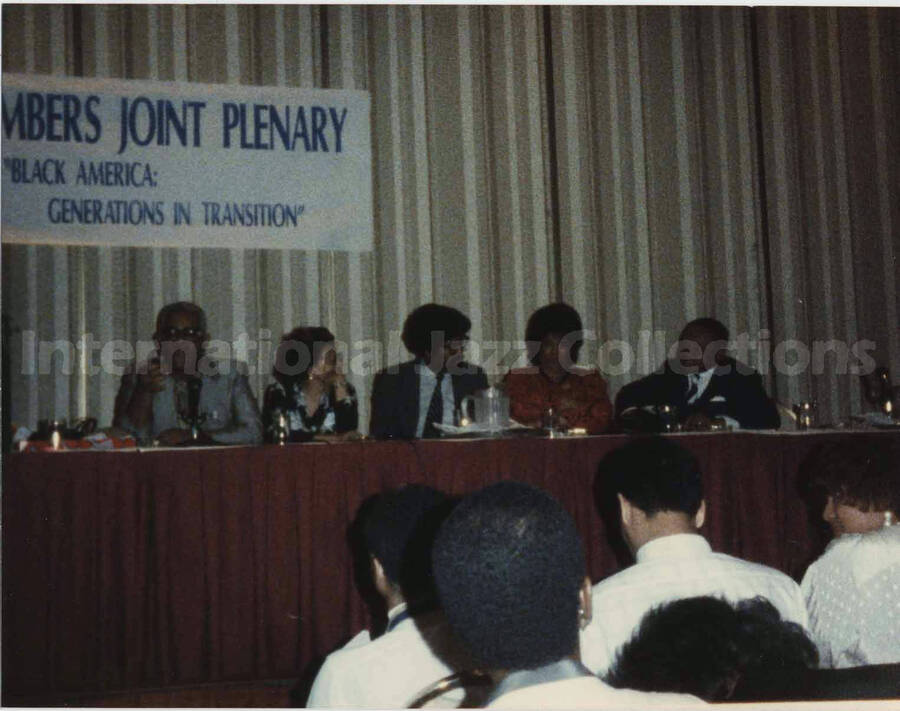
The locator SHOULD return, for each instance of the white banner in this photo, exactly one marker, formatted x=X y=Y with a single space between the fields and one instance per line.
x=137 y=163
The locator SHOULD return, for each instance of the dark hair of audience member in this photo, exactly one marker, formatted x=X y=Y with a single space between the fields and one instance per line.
x=399 y=530
x=559 y=319
x=654 y=474
x=298 y=352
x=776 y=653
x=424 y=321
x=706 y=647
x=508 y=564
x=710 y=326
x=865 y=475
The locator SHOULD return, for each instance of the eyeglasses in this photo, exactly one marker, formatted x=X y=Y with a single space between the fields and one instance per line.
x=177 y=334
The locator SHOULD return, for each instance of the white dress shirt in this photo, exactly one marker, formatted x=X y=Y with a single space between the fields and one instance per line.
x=427 y=383
x=853 y=595
x=390 y=671
x=673 y=568
x=588 y=692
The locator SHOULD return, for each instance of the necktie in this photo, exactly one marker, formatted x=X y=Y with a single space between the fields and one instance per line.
x=435 y=409
x=693 y=386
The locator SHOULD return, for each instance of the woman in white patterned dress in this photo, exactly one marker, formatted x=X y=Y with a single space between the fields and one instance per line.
x=852 y=591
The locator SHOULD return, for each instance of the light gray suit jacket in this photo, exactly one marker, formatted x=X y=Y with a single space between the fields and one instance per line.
x=230 y=409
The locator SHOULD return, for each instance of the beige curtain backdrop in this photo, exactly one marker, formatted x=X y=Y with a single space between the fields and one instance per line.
x=648 y=165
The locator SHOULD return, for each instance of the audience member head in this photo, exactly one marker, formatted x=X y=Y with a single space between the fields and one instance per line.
x=706 y=647
x=554 y=335
x=510 y=574
x=437 y=334
x=180 y=335
x=399 y=530
x=658 y=487
x=862 y=483
x=305 y=352
x=702 y=345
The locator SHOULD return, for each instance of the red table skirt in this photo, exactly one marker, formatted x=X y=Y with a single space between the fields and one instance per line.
x=147 y=569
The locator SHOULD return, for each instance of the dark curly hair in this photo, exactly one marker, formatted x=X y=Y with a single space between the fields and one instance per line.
x=864 y=474
x=298 y=351
x=426 y=320
x=705 y=646
x=508 y=564
x=560 y=319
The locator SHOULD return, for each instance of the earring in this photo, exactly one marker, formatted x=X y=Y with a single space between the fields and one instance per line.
x=582 y=619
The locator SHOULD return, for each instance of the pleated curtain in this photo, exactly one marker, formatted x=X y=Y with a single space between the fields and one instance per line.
x=646 y=164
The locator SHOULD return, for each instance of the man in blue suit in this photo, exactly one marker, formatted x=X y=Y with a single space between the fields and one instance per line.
x=410 y=399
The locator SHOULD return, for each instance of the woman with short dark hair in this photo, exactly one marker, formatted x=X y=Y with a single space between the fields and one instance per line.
x=310 y=389
x=851 y=590
x=578 y=397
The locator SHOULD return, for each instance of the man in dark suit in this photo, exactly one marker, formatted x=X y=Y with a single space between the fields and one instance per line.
x=409 y=399
x=702 y=383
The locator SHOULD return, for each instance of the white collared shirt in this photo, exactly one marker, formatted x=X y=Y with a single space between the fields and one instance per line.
x=673 y=568
x=391 y=670
x=852 y=593
x=427 y=381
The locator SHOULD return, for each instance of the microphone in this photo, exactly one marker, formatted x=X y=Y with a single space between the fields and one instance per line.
x=194 y=385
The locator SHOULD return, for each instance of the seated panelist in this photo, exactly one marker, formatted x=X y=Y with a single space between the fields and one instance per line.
x=702 y=383
x=310 y=389
x=577 y=396
x=409 y=398
x=180 y=387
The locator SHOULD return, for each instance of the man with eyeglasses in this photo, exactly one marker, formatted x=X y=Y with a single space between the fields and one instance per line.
x=182 y=396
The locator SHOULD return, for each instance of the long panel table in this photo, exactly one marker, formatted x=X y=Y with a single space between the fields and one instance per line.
x=135 y=569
